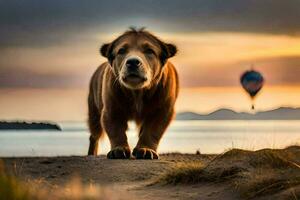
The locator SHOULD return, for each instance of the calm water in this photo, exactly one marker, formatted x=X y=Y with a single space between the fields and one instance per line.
x=182 y=136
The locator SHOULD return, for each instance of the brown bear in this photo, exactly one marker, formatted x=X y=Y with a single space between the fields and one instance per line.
x=137 y=83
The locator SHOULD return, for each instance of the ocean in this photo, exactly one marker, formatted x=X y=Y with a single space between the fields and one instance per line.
x=182 y=136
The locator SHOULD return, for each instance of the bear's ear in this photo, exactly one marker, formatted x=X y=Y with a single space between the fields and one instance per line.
x=172 y=50
x=104 y=50
x=168 y=51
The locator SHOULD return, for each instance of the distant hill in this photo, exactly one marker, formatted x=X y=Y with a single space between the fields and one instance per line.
x=28 y=126
x=283 y=113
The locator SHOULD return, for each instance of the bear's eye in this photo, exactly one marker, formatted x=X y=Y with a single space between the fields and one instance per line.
x=149 y=51
x=122 y=51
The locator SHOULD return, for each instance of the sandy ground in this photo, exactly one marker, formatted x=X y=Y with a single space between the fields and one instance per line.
x=129 y=177
x=126 y=178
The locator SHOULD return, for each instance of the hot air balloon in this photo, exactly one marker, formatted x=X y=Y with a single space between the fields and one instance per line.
x=252 y=81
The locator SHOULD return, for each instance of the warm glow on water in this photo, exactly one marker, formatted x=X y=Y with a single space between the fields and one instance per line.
x=182 y=136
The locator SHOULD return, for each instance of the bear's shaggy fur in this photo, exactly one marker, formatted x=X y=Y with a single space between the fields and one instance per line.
x=136 y=83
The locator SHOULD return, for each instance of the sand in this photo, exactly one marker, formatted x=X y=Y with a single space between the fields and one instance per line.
x=124 y=179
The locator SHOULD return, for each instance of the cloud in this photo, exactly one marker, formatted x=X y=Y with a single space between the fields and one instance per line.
x=39 y=23
x=30 y=79
x=60 y=38
x=277 y=71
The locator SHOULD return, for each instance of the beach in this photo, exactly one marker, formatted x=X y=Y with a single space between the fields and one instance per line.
x=231 y=175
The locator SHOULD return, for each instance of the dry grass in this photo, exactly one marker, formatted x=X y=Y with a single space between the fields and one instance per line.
x=10 y=188
x=196 y=173
x=251 y=173
x=13 y=188
x=182 y=174
x=268 y=182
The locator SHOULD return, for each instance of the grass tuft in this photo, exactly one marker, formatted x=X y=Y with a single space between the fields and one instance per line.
x=273 y=158
x=251 y=173
x=196 y=173
x=188 y=173
x=266 y=186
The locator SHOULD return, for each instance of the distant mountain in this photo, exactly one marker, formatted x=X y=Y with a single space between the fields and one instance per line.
x=283 y=113
x=28 y=126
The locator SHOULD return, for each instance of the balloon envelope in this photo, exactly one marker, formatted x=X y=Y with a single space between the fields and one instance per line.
x=252 y=81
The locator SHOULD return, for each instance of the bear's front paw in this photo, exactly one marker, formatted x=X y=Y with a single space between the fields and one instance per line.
x=144 y=153
x=119 y=153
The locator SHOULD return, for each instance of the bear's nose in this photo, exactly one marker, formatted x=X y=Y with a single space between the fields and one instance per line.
x=133 y=64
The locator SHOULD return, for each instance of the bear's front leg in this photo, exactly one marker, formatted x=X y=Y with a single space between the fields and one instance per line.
x=151 y=131
x=115 y=126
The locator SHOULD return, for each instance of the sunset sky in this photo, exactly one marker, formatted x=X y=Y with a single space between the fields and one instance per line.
x=49 y=50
